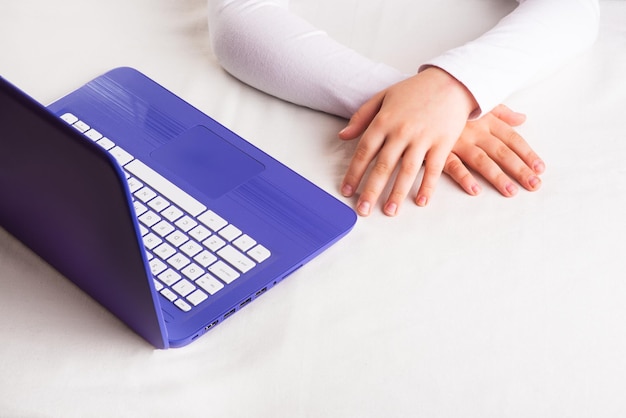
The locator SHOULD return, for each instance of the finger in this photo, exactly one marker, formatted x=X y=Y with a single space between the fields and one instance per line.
x=362 y=118
x=477 y=159
x=511 y=163
x=519 y=146
x=410 y=165
x=509 y=116
x=433 y=167
x=455 y=168
x=378 y=178
x=365 y=152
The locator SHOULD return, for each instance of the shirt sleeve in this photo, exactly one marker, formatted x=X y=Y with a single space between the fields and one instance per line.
x=266 y=46
x=537 y=38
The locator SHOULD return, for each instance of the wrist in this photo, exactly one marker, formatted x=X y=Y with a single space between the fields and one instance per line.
x=457 y=90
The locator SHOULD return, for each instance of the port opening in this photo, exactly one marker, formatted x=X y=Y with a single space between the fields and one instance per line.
x=211 y=325
x=260 y=292
x=245 y=302
x=229 y=313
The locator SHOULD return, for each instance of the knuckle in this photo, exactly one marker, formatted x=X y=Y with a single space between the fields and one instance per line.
x=381 y=168
x=362 y=153
x=454 y=166
x=481 y=160
x=515 y=139
x=502 y=152
x=410 y=167
x=433 y=168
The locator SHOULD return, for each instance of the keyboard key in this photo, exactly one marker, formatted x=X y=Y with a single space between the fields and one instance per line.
x=121 y=155
x=177 y=238
x=149 y=218
x=158 y=203
x=172 y=213
x=197 y=297
x=93 y=135
x=224 y=272
x=183 y=287
x=174 y=193
x=212 y=220
x=205 y=258
x=169 y=277
x=150 y=241
x=210 y=284
x=229 y=232
x=140 y=209
x=235 y=258
x=184 y=306
x=164 y=251
x=178 y=261
x=81 y=126
x=186 y=223
x=200 y=233
x=259 y=253
x=171 y=296
x=191 y=248
x=145 y=194
x=69 y=118
x=163 y=228
x=158 y=285
x=106 y=143
x=134 y=184
x=214 y=243
x=244 y=242
x=157 y=266
x=192 y=271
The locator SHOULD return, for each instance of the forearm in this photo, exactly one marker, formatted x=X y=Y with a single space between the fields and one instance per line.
x=534 y=40
x=266 y=46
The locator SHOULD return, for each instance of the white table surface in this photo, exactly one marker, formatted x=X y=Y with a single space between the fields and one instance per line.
x=471 y=307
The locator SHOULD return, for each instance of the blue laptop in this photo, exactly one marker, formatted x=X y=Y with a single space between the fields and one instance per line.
x=161 y=214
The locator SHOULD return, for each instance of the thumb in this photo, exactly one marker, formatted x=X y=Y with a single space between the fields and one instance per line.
x=362 y=118
x=509 y=116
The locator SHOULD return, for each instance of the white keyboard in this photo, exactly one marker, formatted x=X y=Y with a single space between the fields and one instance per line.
x=193 y=251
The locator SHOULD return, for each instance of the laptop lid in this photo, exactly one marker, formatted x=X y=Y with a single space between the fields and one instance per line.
x=66 y=199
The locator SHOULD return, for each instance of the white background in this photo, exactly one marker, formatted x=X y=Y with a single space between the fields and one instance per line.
x=472 y=307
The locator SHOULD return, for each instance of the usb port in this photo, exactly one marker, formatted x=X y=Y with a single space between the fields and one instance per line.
x=229 y=313
x=211 y=325
x=260 y=292
x=245 y=302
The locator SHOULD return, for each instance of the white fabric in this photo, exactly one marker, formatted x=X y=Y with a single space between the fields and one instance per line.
x=267 y=46
x=474 y=307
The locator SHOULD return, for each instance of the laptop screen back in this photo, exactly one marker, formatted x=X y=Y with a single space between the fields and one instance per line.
x=64 y=198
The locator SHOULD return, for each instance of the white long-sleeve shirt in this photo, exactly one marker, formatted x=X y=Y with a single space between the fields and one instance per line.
x=268 y=47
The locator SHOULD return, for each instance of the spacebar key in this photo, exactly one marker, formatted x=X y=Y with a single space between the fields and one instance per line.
x=165 y=187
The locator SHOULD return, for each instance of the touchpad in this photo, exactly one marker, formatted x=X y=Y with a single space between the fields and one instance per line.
x=207 y=162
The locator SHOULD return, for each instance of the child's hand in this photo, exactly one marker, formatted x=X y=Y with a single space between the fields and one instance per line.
x=414 y=122
x=492 y=148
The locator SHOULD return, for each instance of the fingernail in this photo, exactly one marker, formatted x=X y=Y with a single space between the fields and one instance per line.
x=511 y=189
x=347 y=190
x=534 y=181
x=539 y=167
x=476 y=189
x=364 y=208
x=343 y=130
x=422 y=201
x=391 y=209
